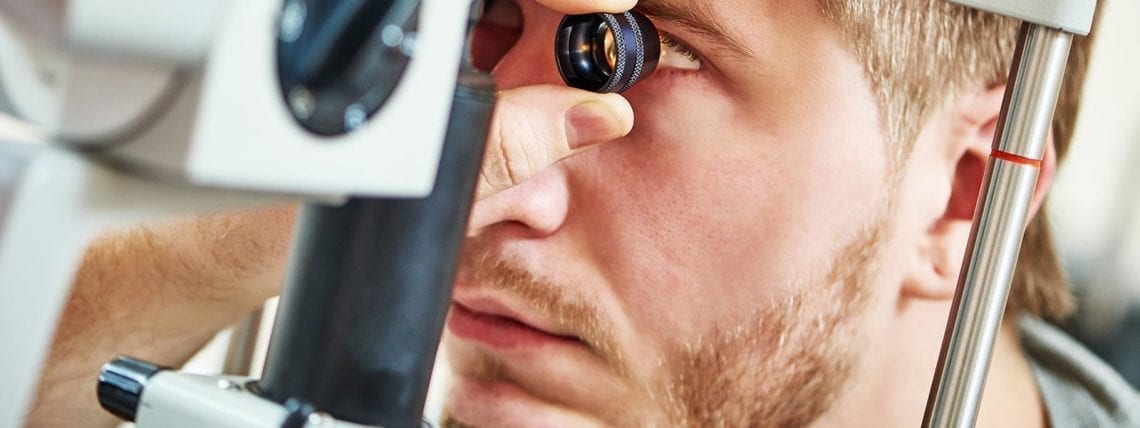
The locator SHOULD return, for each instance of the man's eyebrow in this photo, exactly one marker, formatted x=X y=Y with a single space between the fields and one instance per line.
x=698 y=16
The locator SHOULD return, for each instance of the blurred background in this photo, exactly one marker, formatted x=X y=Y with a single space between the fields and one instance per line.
x=1096 y=202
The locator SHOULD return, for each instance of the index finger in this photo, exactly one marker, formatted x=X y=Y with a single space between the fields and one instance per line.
x=575 y=7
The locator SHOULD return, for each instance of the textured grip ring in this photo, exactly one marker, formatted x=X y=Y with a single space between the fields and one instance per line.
x=606 y=52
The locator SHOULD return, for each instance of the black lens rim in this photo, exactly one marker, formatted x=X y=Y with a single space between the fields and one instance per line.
x=579 y=54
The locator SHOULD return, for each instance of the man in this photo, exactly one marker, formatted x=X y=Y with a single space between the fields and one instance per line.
x=775 y=243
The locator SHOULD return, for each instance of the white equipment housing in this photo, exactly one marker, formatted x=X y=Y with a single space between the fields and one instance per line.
x=1072 y=16
x=171 y=106
x=190 y=93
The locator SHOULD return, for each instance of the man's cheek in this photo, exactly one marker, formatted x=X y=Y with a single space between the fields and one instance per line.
x=689 y=117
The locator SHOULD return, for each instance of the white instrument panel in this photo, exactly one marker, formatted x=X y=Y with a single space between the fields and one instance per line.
x=191 y=93
x=1074 y=16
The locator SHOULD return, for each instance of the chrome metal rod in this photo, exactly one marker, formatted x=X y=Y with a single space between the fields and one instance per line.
x=999 y=225
x=243 y=343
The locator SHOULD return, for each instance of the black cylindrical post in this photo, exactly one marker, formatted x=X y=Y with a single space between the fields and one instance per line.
x=361 y=317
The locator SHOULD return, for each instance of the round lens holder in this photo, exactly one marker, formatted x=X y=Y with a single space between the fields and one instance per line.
x=337 y=65
x=605 y=52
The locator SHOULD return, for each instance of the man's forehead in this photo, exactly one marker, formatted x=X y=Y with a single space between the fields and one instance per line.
x=704 y=17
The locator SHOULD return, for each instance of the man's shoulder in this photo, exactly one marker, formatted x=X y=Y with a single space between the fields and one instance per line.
x=1078 y=388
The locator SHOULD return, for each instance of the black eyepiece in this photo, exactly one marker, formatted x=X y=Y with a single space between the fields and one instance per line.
x=605 y=52
x=121 y=385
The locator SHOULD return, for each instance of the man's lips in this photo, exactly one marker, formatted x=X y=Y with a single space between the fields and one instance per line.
x=492 y=325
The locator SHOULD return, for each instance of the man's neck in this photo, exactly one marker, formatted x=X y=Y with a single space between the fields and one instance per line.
x=1011 y=397
x=891 y=385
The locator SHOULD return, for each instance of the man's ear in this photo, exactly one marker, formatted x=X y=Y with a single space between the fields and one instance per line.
x=976 y=117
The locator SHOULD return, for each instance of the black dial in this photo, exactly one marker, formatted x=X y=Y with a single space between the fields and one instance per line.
x=606 y=52
x=338 y=61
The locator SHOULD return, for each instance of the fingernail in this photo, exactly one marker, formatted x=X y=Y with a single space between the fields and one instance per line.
x=621 y=5
x=592 y=122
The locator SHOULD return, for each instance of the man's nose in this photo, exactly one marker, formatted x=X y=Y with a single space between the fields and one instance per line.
x=534 y=209
x=531 y=60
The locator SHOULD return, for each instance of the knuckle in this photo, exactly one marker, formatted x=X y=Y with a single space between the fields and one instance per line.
x=522 y=142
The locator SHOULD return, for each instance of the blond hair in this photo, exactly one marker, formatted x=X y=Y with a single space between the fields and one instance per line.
x=916 y=53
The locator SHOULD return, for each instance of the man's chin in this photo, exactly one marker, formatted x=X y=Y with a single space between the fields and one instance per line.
x=504 y=404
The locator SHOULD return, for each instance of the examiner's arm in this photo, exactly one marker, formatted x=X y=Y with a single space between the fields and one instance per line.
x=158 y=292
x=161 y=292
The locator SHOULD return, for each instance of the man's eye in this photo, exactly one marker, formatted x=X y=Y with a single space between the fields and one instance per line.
x=678 y=55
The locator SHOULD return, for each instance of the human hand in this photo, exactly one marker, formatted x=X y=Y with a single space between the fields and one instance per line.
x=536 y=126
x=571 y=7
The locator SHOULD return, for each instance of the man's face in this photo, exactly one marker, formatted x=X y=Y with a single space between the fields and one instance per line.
x=713 y=267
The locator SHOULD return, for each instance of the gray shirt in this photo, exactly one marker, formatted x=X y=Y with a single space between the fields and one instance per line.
x=1078 y=388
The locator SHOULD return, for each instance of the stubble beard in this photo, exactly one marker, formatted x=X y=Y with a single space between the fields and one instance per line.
x=784 y=365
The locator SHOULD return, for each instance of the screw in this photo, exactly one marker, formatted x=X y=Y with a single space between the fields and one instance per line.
x=229 y=385
x=408 y=47
x=293 y=21
x=392 y=35
x=354 y=117
x=320 y=419
x=301 y=101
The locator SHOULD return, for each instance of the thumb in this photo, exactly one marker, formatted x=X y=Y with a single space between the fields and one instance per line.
x=589 y=6
x=537 y=126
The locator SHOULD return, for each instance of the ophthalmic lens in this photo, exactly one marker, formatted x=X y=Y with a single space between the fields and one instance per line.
x=606 y=52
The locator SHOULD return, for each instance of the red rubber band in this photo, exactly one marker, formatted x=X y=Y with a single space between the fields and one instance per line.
x=1006 y=156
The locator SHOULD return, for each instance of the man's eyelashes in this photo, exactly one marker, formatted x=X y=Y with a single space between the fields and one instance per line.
x=676 y=54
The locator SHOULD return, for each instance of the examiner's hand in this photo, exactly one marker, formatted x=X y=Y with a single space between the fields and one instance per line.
x=536 y=126
x=589 y=6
